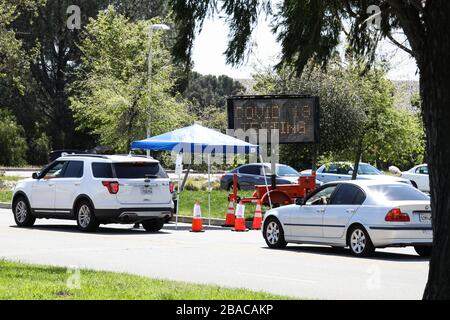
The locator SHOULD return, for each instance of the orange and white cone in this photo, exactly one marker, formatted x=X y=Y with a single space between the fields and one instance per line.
x=239 y=221
x=257 y=219
x=229 y=220
x=197 y=224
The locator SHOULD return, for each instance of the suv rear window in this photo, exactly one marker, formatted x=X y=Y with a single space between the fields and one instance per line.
x=102 y=170
x=139 y=170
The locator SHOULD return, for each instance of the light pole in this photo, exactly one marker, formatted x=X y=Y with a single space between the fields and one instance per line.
x=155 y=27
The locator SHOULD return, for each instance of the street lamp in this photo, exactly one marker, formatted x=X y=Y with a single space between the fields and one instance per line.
x=153 y=27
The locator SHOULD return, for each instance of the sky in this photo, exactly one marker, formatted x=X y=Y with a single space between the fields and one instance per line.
x=210 y=44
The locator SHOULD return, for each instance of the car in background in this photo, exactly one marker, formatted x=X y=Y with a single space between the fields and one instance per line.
x=341 y=171
x=360 y=214
x=252 y=174
x=418 y=176
x=94 y=190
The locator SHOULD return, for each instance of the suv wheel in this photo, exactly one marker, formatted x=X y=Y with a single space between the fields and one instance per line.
x=274 y=234
x=153 y=225
x=86 y=219
x=22 y=213
x=359 y=242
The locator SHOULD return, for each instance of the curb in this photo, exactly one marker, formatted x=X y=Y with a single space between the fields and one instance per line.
x=5 y=205
x=186 y=219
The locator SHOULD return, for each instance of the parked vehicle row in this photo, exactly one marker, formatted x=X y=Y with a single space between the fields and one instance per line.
x=96 y=189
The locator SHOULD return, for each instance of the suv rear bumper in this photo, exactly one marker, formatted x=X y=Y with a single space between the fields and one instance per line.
x=130 y=215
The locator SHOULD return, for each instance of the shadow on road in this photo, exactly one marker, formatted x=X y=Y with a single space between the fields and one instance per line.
x=106 y=230
x=378 y=255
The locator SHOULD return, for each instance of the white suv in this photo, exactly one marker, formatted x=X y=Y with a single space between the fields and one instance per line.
x=96 y=189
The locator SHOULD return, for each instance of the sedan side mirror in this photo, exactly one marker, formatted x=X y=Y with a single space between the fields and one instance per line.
x=35 y=175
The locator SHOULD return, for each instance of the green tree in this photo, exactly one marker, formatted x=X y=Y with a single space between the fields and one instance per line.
x=310 y=30
x=111 y=98
x=13 y=146
x=13 y=59
x=204 y=91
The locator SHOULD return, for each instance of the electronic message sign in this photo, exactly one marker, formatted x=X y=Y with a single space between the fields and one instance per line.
x=295 y=116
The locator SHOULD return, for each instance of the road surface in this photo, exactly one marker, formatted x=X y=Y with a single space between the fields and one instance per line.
x=218 y=256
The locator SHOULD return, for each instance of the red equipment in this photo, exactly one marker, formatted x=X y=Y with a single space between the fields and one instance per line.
x=282 y=194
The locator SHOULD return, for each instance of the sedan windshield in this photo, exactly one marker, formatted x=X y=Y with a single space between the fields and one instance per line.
x=284 y=171
x=367 y=169
x=397 y=192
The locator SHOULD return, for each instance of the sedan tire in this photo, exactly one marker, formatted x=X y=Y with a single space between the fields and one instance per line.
x=274 y=234
x=359 y=242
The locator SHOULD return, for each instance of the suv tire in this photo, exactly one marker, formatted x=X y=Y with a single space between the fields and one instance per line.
x=86 y=220
x=22 y=212
x=153 y=225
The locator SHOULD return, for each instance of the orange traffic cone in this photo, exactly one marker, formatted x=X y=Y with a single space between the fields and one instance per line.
x=257 y=219
x=197 y=224
x=229 y=220
x=239 y=222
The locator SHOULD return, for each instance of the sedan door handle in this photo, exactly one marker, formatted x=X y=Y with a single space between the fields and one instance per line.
x=350 y=210
x=77 y=183
x=320 y=210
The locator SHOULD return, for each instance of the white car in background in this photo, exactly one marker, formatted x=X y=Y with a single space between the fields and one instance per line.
x=360 y=214
x=342 y=171
x=418 y=176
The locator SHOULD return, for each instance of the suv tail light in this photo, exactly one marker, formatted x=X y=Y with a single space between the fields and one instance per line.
x=113 y=186
x=171 y=186
x=396 y=215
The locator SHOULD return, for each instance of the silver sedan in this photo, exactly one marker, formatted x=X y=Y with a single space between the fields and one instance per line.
x=360 y=214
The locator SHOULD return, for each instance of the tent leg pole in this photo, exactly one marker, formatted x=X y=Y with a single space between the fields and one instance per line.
x=178 y=208
x=209 y=189
x=265 y=180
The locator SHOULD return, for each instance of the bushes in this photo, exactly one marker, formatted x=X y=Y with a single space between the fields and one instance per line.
x=13 y=146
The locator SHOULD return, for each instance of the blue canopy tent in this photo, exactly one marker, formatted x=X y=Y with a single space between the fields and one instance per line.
x=197 y=139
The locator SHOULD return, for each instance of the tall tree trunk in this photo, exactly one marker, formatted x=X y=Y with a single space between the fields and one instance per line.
x=435 y=93
x=358 y=155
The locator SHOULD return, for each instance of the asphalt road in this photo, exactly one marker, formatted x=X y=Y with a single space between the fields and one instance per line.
x=218 y=256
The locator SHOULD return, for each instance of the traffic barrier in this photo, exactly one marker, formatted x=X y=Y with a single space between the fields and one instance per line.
x=197 y=223
x=257 y=219
x=229 y=220
x=239 y=221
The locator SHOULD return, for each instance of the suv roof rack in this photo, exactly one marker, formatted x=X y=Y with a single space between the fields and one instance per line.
x=86 y=155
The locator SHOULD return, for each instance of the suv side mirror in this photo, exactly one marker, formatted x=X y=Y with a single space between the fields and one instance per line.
x=299 y=201
x=35 y=175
